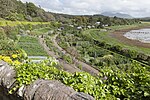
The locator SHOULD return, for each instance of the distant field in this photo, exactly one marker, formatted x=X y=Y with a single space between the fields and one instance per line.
x=31 y=46
x=14 y=23
x=105 y=36
x=130 y=26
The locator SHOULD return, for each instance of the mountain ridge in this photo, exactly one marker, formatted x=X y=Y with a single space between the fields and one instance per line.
x=117 y=14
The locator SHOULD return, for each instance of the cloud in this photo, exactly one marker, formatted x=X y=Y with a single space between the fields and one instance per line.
x=137 y=8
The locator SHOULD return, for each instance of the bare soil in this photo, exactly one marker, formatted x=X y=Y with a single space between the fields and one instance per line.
x=118 y=34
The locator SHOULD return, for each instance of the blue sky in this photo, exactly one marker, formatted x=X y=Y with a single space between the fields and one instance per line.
x=136 y=8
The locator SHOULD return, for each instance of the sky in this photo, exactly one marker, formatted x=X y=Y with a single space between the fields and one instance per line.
x=135 y=8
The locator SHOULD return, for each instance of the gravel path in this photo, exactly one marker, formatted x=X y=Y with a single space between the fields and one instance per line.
x=85 y=67
x=67 y=67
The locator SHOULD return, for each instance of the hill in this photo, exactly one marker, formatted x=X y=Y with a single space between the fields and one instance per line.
x=120 y=15
x=145 y=19
x=17 y=10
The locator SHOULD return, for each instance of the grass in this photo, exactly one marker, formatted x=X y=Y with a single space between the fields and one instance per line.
x=41 y=31
x=143 y=24
x=104 y=36
x=15 y=23
x=31 y=46
x=27 y=43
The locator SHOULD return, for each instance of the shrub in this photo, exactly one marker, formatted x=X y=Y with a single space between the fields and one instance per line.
x=68 y=58
x=2 y=34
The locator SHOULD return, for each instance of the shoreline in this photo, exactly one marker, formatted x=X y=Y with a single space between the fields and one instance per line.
x=119 y=35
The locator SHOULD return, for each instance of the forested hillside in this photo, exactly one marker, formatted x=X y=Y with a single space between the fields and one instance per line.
x=16 y=10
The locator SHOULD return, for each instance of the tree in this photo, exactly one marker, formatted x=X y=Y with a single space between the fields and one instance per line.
x=31 y=9
x=6 y=7
x=107 y=21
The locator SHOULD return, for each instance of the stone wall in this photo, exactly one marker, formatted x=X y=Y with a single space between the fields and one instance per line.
x=38 y=90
